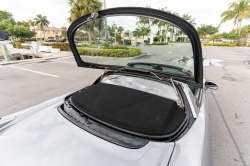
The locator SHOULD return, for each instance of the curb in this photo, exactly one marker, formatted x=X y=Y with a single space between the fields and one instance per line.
x=120 y=58
x=31 y=60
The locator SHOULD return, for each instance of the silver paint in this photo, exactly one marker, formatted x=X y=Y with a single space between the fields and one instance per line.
x=41 y=136
x=47 y=138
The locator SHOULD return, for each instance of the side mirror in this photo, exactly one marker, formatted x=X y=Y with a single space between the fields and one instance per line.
x=211 y=85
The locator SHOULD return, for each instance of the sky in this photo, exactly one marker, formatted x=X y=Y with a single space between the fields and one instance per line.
x=57 y=11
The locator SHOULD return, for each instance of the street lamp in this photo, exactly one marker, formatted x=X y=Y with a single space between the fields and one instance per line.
x=114 y=27
x=106 y=27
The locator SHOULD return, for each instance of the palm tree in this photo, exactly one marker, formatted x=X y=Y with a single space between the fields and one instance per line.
x=172 y=29
x=144 y=21
x=238 y=11
x=32 y=24
x=120 y=29
x=192 y=21
x=137 y=32
x=186 y=17
x=189 y=18
x=42 y=22
x=82 y=7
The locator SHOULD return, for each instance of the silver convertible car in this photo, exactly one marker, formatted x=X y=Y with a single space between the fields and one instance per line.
x=148 y=108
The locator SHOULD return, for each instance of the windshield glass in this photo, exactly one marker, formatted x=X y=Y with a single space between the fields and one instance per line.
x=139 y=42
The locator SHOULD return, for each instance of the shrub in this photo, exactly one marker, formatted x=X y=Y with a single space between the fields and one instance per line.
x=160 y=43
x=29 y=39
x=62 y=46
x=220 y=44
x=115 y=47
x=17 y=44
x=131 y=52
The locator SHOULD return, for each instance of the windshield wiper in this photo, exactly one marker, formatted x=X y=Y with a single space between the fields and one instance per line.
x=156 y=66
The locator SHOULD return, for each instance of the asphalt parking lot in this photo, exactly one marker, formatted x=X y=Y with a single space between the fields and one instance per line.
x=25 y=85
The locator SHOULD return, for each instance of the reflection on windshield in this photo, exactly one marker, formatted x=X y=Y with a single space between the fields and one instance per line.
x=123 y=40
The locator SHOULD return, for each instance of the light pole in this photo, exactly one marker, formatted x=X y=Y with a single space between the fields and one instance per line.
x=114 y=27
x=106 y=27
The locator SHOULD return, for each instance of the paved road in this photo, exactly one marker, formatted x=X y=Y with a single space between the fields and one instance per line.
x=230 y=110
x=22 y=86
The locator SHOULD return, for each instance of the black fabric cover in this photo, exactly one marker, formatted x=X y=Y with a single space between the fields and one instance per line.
x=3 y=36
x=130 y=109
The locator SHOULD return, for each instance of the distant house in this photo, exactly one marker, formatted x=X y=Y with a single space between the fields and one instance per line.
x=130 y=39
x=50 y=33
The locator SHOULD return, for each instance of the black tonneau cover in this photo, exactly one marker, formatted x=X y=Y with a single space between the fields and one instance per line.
x=130 y=110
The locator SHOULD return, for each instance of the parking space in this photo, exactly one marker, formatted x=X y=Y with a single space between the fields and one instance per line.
x=25 y=85
x=229 y=105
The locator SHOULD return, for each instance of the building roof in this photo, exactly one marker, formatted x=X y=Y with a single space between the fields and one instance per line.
x=50 y=28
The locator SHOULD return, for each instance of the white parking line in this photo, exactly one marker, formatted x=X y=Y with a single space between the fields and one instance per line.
x=34 y=71
x=62 y=61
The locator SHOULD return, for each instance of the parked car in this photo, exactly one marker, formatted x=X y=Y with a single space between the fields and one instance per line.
x=76 y=41
x=145 y=111
x=61 y=40
x=51 y=40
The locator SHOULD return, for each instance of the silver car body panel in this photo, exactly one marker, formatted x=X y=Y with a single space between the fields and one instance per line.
x=40 y=135
x=47 y=138
x=194 y=148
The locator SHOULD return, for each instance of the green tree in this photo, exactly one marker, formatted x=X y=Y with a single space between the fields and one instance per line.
x=79 y=8
x=145 y=31
x=64 y=31
x=171 y=29
x=120 y=29
x=23 y=23
x=215 y=37
x=189 y=18
x=111 y=31
x=16 y=32
x=6 y=17
x=237 y=10
x=118 y=38
x=4 y=27
x=42 y=22
x=205 y=29
x=144 y=20
x=137 y=32
x=32 y=24
x=160 y=37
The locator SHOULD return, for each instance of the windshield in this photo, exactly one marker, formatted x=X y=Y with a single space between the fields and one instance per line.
x=139 y=42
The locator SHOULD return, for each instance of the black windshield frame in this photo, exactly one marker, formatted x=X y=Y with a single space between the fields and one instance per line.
x=145 y=12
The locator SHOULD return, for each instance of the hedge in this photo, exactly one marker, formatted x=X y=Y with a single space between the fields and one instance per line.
x=160 y=43
x=62 y=46
x=131 y=52
x=104 y=47
x=220 y=44
x=16 y=44
x=29 y=39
